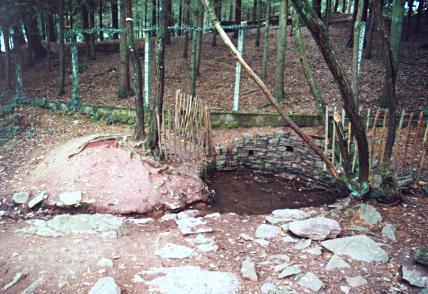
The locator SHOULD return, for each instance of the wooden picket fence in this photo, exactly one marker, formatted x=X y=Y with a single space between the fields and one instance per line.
x=185 y=132
x=410 y=150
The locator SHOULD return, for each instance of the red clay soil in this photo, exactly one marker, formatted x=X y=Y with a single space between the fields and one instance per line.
x=112 y=181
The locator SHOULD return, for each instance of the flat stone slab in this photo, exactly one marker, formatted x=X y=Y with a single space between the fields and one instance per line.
x=105 y=225
x=360 y=248
x=37 y=199
x=174 y=251
x=248 y=270
x=355 y=282
x=336 y=262
x=388 y=232
x=191 y=225
x=369 y=214
x=310 y=281
x=70 y=199
x=318 y=228
x=192 y=279
x=265 y=231
x=414 y=277
x=203 y=243
x=20 y=197
x=288 y=215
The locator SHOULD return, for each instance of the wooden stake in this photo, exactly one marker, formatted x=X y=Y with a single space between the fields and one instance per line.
x=374 y=138
x=381 y=150
x=398 y=142
x=409 y=129
x=424 y=152
x=326 y=136
x=333 y=147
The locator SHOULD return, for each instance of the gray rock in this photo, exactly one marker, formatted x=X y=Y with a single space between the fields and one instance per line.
x=360 y=229
x=70 y=199
x=106 y=225
x=355 y=282
x=2 y=213
x=248 y=270
x=421 y=255
x=168 y=217
x=267 y=288
x=388 y=232
x=415 y=277
x=313 y=251
x=336 y=262
x=303 y=243
x=20 y=197
x=174 y=251
x=424 y=291
x=192 y=279
x=275 y=220
x=289 y=239
x=38 y=199
x=105 y=285
x=265 y=231
x=105 y=262
x=191 y=225
x=16 y=279
x=369 y=214
x=281 y=257
x=33 y=286
x=318 y=228
x=203 y=243
x=360 y=248
x=290 y=270
x=246 y=237
x=310 y=281
x=188 y=213
x=345 y=289
x=140 y=221
x=288 y=215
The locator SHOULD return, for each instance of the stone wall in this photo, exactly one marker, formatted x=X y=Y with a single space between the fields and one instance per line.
x=282 y=151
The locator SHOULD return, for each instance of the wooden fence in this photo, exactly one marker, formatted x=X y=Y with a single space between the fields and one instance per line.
x=410 y=150
x=185 y=131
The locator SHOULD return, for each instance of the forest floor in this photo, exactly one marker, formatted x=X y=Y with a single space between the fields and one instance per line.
x=98 y=81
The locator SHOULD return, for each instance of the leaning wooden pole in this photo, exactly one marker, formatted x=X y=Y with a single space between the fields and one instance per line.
x=308 y=140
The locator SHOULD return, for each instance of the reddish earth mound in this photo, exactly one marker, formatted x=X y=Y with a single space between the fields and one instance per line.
x=113 y=179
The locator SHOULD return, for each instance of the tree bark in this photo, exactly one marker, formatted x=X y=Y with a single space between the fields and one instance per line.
x=6 y=37
x=100 y=17
x=280 y=53
x=200 y=23
x=266 y=42
x=257 y=4
x=124 y=86
x=409 y=20
x=51 y=27
x=309 y=141
x=169 y=17
x=114 y=17
x=356 y=53
x=306 y=67
x=186 y=33
x=33 y=37
x=61 y=49
x=419 y=16
x=92 y=35
x=154 y=15
x=319 y=33
x=371 y=27
x=217 y=9
x=316 y=4
x=48 y=55
x=159 y=80
x=344 y=6
x=238 y=6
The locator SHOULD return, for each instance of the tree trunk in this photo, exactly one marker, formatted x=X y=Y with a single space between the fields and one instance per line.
x=159 y=80
x=33 y=37
x=257 y=5
x=186 y=33
x=280 y=52
x=356 y=52
x=344 y=6
x=85 y=26
x=51 y=27
x=336 y=6
x=200 y=23
x=100 y=17
x=61 y=49
x=169 y=17
x=306 y=67
x=409 y=21
x=6 y=37
x=48 y=55
x=320 y=36
x=217 y=9
x=114 y=18
x=371 y=27
x=18 y=36
x=266 y=42
x=316 y=4
x=419 y=16
x=124 y=87
x=154 y=15
x=309 y=141
x=92 y=35
x=238 y=6
x=327 y=13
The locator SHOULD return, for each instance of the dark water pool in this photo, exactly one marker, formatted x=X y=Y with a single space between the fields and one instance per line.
x=252 y=193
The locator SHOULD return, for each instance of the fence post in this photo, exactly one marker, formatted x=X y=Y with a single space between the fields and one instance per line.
x=238 y=71
x=147 y=68
x=75 y=92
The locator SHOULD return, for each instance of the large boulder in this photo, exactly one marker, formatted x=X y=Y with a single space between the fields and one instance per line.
x=360 y=248
x=318 y=228
x=421 y=255
x=369 y=214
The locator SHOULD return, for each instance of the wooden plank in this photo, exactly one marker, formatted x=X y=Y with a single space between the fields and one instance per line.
x=409 y=129
x=374 y=138
x=326 y=137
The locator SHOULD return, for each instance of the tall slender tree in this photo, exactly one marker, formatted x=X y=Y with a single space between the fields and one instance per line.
x=100 y=18
x=124 y=85
x=186 y=33
x=266 y=42
x=6 y=37
x=238 y=6
x=114 y=17
x=280 y=52
x=61 y=49
x=217 y=9
x=419 y=16
x=409 y=20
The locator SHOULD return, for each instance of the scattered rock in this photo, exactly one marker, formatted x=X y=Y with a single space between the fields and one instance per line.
x=275 y=220
x=336 y=262
x=265 y=231
x=388 y=232
x=310 y=281
x=360 y=229
x=203 y=243
x=105 y=262
x=106 y=225
x=281 y=257
x=288 y=215
x=289 y=270
x=424 y=291
x=188 y=213
x=70 y=199
x=414 y=277
x=140 y=221
x=171 y=250
x=33 y=286
x=136 y=279
x=285 y=228
x=20 y=197
x=15 y=280
x=192 y=279
x=314 y=250
x=191 y=225
x=246 y=237
x=262 y=242
x=369 y=214
x=340 y=204
x=357 y=247
x=355 y=282
x=318 y=228
x=2 y=213
x=345 y=289
x=248 y=270
x=408 y=182
x=38 y=199
x=214 y=215
x=289 y=239
x=267 y=288
x=105 y=285
x=168 y=217
x=303 y=243
x=421 y=255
